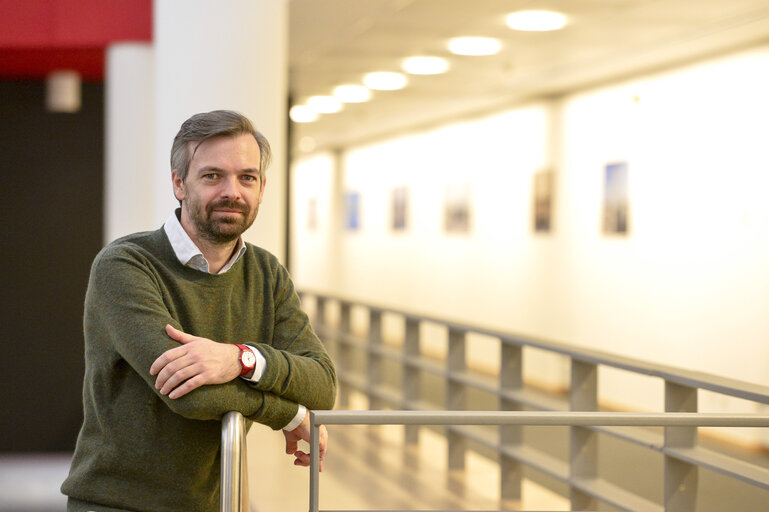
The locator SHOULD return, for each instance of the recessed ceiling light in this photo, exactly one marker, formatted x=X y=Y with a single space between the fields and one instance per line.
x=425 y=65
x=474 y=46
x=352 y=93
x=302 y=114
x=536 y=21
x=385 y=81
x=324 y=104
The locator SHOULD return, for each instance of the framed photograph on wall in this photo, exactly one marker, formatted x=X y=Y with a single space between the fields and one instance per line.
x=457 y=208
x=543 y=200
x=615 y=199
x=400 y=197
x=352 y=211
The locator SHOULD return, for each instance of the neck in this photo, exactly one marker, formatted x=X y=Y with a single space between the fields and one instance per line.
x=217 y=255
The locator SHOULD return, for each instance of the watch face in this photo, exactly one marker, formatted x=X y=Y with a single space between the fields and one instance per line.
x=248 y=358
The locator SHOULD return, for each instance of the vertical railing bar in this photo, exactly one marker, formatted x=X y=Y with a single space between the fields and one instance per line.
x=456 y=399
x=681 y=478
x=510 y=379
x=233 y=496
x=320 y=317
x=344 y=362
x=583 y=442
x=314 y=463
x=374 y=364
x=412 y=389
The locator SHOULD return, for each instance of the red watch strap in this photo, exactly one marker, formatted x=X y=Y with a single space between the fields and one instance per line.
x=243 y=368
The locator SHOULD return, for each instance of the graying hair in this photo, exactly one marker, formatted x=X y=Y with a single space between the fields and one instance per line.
x=204 y=126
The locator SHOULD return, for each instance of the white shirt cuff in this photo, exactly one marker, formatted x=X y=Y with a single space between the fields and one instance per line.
x=298 y=419
x=260 y=365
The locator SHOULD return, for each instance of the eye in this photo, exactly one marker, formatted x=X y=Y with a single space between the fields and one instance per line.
x=250 y=178
x=210 y=176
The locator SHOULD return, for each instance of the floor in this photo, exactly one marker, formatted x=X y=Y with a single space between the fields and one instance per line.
x=362 y=472
x=365 y=469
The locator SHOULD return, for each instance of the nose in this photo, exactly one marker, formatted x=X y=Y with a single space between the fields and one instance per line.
x=230 y=188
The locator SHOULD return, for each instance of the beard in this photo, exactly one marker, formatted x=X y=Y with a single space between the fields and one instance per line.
x=224 y=230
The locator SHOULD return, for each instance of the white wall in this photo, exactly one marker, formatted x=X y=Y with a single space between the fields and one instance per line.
x=689 y=285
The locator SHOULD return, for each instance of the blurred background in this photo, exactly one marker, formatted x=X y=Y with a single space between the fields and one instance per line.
x=594 y=173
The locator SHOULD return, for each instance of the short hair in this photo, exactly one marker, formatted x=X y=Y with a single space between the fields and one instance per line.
x=217 y=123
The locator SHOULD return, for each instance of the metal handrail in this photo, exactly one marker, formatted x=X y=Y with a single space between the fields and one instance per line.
x=605 y=419
x=723 y=385
x=234 y=474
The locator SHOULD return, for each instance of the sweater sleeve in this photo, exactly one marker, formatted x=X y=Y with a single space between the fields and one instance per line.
x=125 y=313
x=298 y=366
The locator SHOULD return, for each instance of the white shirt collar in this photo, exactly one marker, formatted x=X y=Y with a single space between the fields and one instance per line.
x=188 y=253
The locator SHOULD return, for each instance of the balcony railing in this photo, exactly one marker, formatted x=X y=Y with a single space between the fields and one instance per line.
x=678 y=491
x=397 y=375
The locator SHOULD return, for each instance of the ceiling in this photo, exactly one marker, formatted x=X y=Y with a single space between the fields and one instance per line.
x=333 y=42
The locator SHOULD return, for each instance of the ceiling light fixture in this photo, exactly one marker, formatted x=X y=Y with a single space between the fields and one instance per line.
x=385 y=81
x=302 y=114
x=425 y=65
x=474 y=46
x=324 y=104
x=536 y=21
x=350 y=93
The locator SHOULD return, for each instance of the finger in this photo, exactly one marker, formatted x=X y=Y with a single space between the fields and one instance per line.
x=174 y=378
x=301 y=459
x=166 y=358
x=322 y=442
x=177 y=335
x=188 y=386
x=291 y=446
x=174 y=362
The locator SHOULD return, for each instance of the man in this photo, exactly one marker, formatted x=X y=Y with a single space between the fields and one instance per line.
x=186 y=323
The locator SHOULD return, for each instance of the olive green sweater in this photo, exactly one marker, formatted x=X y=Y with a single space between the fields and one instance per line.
x=141 y=451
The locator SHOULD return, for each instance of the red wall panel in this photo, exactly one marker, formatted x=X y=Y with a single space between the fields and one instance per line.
x=37 y=36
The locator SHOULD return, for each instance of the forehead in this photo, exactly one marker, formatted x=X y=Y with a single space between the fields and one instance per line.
x=238 y=152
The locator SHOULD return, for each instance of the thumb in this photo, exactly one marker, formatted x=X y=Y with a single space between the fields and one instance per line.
x=176 y=334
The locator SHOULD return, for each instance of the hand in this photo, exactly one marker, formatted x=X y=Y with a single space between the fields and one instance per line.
x=197 y=362
x=302 y=433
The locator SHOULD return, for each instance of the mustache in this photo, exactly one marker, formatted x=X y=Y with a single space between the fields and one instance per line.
x=230 y=205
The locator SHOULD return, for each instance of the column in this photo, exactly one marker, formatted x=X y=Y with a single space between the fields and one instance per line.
x=129 y=140
x=213 y=55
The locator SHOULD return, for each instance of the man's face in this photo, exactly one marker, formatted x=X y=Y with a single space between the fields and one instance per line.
x=222 y=191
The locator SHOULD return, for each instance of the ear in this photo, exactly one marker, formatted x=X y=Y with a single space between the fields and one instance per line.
x=178 y=185
x=261 y=188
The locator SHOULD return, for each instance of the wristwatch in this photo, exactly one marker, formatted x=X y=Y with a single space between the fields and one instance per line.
x=247 y=359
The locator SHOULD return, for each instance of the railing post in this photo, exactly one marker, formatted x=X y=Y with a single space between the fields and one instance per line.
x=314 y=464
x=344 y=360
x=320 y=319
x=510 y=379
x=412 y=389
x=680 y=477
x=583 y=442
x=456 y=400
x=233 y=496
x=374 y=365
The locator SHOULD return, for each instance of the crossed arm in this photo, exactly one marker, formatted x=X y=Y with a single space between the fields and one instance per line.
x=175 y=363
x=199 y=362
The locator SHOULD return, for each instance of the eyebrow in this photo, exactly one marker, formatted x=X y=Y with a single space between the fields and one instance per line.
x=210 y=168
